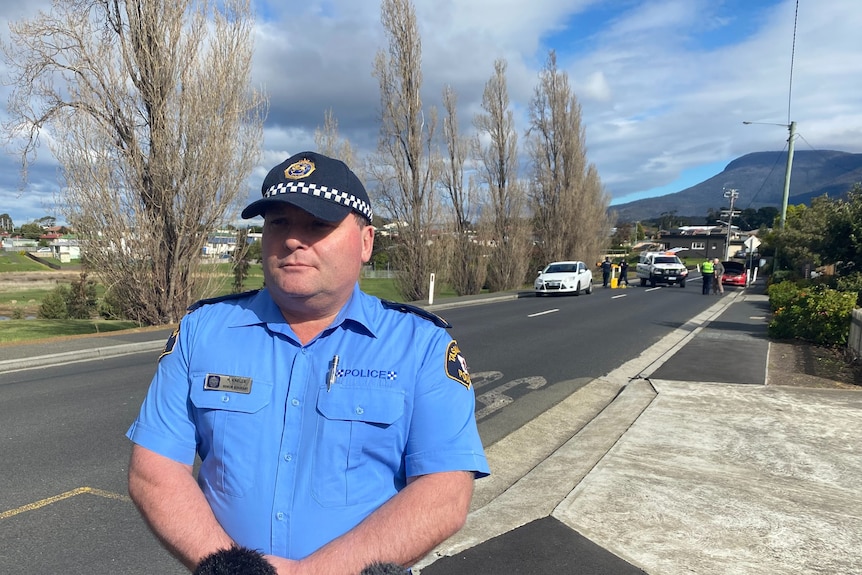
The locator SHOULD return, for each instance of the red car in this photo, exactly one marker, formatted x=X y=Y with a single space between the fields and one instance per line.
x=734 y=274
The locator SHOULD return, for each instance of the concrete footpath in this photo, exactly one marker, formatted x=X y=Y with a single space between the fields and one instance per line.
x=682 y=460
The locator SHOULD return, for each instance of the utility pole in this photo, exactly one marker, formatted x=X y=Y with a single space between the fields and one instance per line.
x=732 y=194
x=792 y=128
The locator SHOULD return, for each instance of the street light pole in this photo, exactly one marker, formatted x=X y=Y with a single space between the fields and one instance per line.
x=732 y=194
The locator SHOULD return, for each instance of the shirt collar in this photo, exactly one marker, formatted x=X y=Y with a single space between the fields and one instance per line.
x=261 y=309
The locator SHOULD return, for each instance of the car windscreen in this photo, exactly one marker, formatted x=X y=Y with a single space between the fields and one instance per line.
x=667 y=260
x=555 y=269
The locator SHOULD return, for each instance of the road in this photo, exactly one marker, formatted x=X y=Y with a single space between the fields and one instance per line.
x=63 y=505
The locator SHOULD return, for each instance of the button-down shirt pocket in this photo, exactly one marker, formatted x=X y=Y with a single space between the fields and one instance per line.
x=359 y=445
x=230 y=428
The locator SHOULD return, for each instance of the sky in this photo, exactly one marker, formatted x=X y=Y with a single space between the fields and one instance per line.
x=664 y=85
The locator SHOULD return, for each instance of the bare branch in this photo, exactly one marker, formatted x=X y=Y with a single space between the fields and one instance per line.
x=155 y=128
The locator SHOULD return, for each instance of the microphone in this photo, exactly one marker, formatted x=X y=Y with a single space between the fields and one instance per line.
x=378 y=568
x=235 y=561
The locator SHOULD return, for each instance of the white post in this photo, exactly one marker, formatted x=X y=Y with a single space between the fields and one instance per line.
x=431 y=291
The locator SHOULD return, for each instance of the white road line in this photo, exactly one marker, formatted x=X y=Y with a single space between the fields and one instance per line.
x=618 y=296
x=653 y=289
x=543 y=312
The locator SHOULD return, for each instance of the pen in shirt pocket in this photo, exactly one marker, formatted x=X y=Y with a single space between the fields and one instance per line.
x=333 y=372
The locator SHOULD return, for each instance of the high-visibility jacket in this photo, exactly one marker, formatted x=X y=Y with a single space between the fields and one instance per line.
x=707 y=267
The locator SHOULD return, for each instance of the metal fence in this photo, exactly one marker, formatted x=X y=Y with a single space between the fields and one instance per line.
x=369 y=273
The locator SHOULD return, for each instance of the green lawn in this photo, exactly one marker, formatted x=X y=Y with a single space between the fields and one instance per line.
x=15 y=262
x=18 y=330
x=28 y=300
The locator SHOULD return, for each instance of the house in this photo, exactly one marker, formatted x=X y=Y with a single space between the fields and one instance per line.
x=704 y=242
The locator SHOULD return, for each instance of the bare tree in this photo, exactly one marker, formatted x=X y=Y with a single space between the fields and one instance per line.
x=496 y=152
x=148 y=110
x=568 y=201
x=466 y=269
x=330 y=143
x=403 y=166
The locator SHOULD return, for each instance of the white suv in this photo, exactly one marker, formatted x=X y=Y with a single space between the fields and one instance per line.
x=661 y=267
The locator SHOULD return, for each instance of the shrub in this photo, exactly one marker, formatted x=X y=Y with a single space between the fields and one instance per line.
x=110 y=307
x=53 y=305
x=781 y=294
x=81 y=298
x=818 y=314
x=851 y=283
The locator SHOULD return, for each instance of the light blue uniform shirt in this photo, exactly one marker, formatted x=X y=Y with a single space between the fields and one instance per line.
x=287 y=464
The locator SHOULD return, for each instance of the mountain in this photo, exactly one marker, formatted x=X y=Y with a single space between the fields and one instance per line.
x=759 y=179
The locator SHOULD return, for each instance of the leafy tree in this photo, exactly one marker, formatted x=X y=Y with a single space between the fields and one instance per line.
x=152 y=121
x=31 y=231
x=827 y=232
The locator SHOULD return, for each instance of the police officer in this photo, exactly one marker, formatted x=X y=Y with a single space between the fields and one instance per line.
x=334 y=429
x=706 y=270
x=606 y=271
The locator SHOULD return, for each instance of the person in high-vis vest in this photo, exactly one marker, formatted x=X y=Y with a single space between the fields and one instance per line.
x=706 y=269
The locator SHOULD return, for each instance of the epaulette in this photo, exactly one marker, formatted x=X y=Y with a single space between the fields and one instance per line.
x=227 y=297
x=423 y=313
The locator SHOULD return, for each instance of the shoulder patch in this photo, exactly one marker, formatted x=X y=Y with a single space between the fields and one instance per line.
x=217 y=299
x=456 y=365
x=172 y=341
x=423 y=313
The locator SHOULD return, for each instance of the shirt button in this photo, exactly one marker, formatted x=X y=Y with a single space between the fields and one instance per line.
x=288 y=457
x=225 y=399
x=359 y=411
x=279 y=516
x=294 y=402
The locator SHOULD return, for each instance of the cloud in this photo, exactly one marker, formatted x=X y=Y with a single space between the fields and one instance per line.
x=664 y=85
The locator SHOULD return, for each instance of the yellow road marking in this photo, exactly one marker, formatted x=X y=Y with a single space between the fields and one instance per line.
x=61 y=497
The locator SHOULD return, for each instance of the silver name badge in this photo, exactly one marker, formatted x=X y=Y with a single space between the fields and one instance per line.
x=235 y=383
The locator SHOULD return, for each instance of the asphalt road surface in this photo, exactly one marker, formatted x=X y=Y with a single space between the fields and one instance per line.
x=63 y=505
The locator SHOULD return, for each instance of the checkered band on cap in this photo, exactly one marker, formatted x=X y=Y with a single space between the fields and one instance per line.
x=311 y=189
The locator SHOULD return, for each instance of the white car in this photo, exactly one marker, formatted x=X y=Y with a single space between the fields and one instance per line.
x=564 y=277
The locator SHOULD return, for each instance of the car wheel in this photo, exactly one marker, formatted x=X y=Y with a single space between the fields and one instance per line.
x=643 y=282
x=578 y=289
x=652 y=282
x=589 y=288
x=682 y=284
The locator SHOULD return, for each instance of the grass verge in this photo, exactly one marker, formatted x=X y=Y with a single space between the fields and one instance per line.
x=19 y=330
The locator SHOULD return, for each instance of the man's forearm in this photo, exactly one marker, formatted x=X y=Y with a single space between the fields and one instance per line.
x=403 y=530
x=174 y=507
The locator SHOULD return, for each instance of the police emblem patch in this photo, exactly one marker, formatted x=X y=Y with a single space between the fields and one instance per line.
x=456 y=365
x=299 y=170
x=172 y=341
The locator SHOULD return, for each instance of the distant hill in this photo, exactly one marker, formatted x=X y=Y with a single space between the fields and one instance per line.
x=759 y=178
